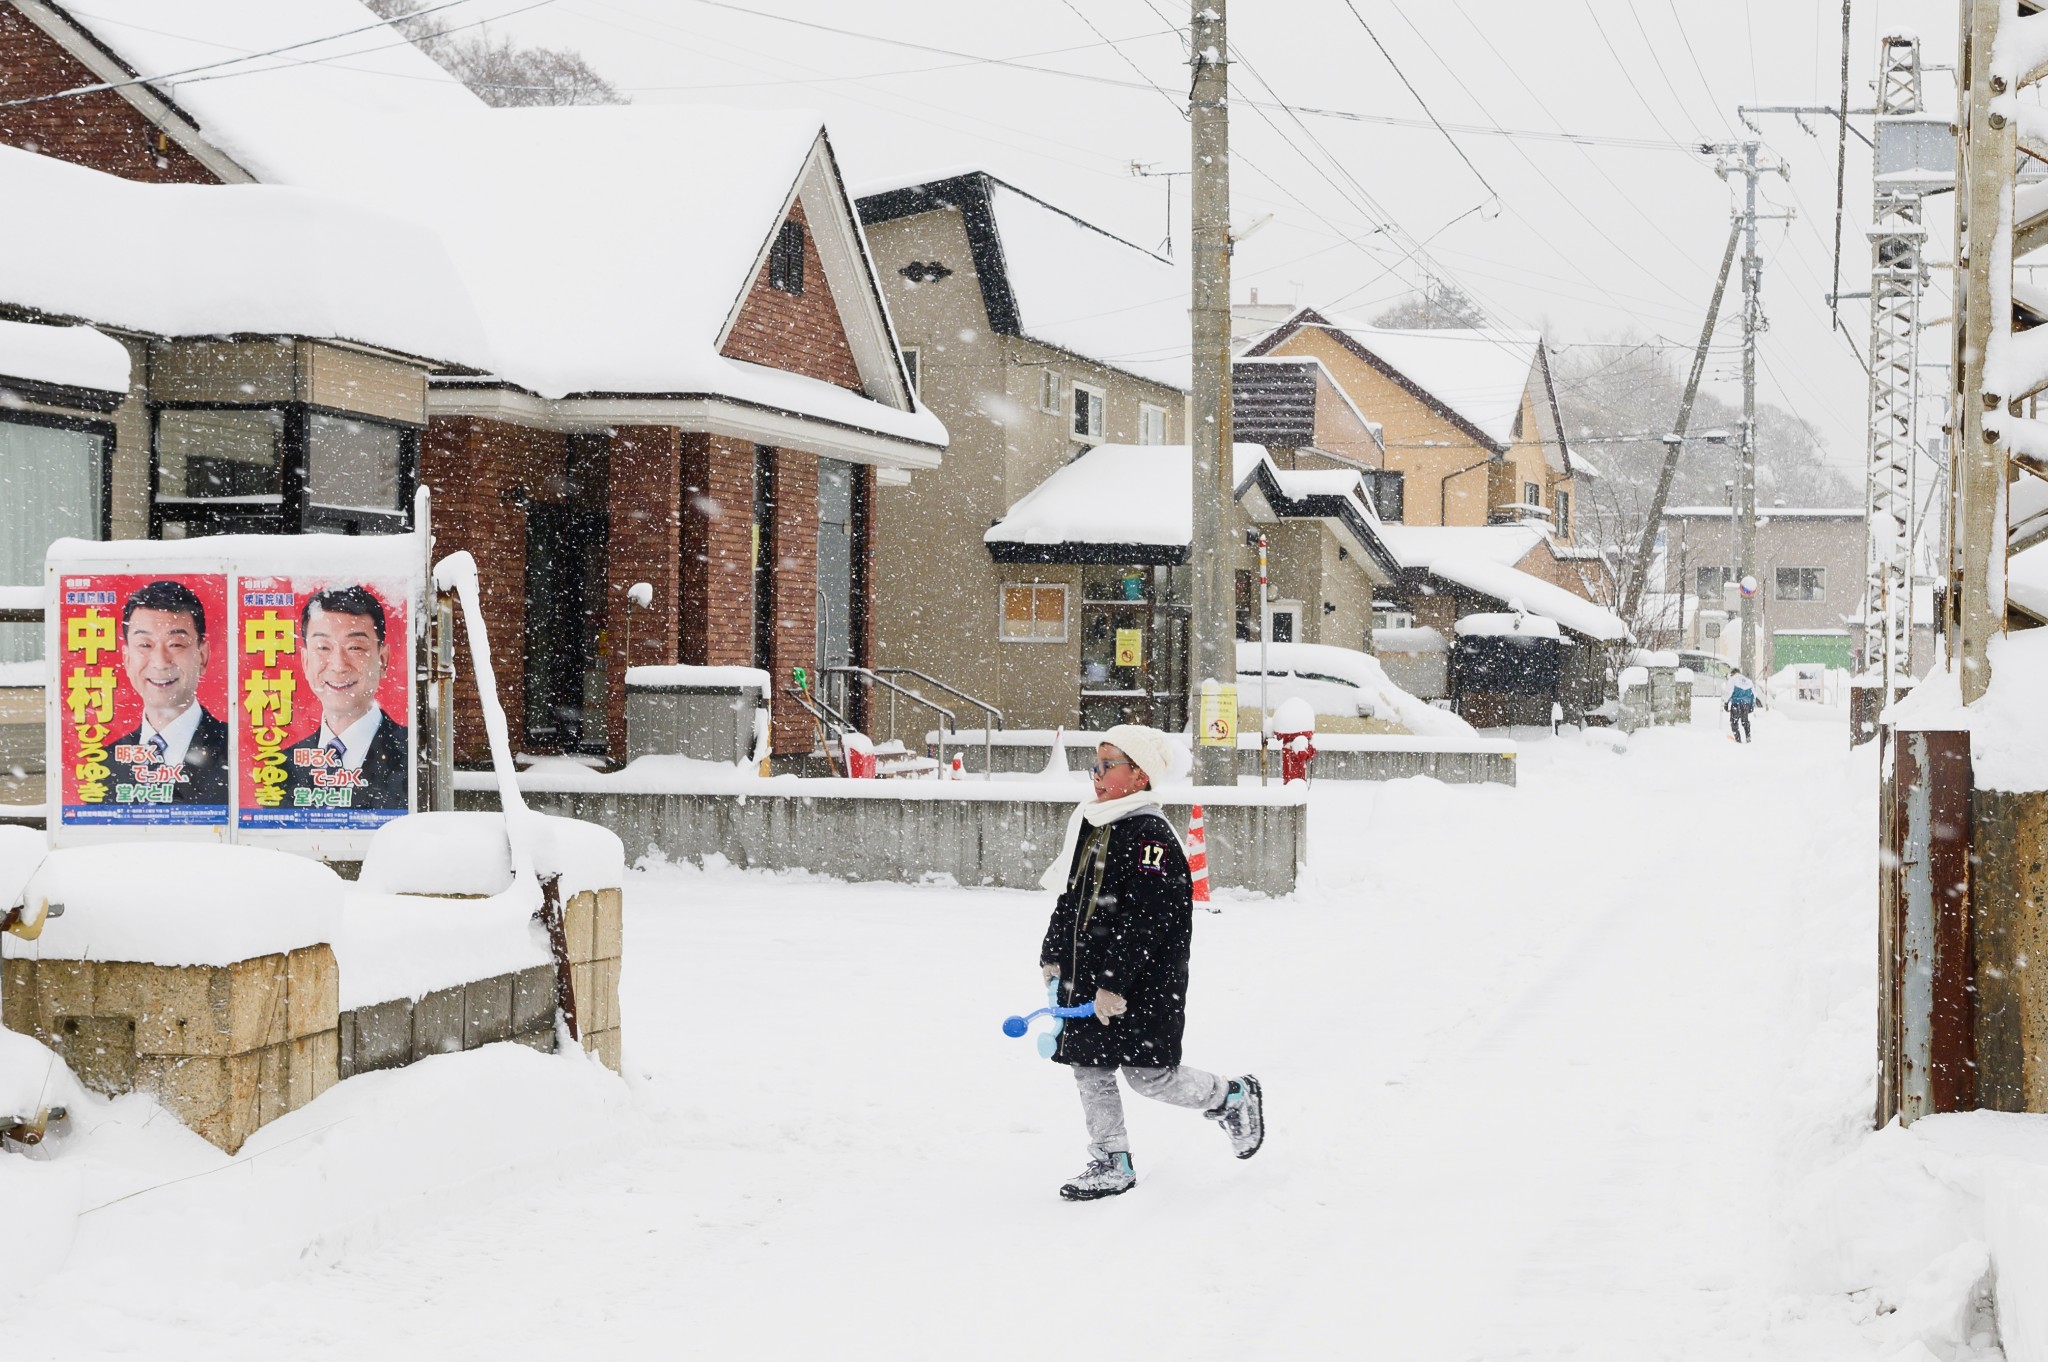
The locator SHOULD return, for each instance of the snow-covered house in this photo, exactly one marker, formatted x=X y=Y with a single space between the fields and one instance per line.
x=1470 y=419
x=685 y=377
x=1036 y=336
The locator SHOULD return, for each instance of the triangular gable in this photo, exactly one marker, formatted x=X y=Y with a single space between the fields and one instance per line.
x=838 y=330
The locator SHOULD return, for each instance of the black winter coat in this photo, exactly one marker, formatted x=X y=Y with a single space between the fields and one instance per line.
x=1124 y=924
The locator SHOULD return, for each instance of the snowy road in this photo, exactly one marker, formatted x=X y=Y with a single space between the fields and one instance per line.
x=1540 y=1066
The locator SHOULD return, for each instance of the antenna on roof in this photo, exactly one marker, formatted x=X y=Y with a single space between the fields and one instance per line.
x=1144 y=170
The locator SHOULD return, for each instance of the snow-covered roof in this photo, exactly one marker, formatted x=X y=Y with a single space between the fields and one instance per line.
x=1482 y=375
x=62 y=356
x=1059 y=279
x=1419 y=546
x=1512 y=586
x=1507 y=624
x=1116 y=494
x=605 y=250
x=1767 y=512
x=197 y=260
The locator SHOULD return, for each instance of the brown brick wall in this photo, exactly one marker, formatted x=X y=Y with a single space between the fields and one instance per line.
x=470 y=464
x=796 y=591
x=717 y=626
x=800 y=332
x=645 y=545
x=103 y=131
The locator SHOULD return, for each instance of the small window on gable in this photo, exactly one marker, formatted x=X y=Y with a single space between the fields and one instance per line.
x=1088 y=404
x=1048 y=390
x=1151 y=425
x=786 y=259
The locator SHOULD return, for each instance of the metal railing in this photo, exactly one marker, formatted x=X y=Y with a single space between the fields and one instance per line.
x=845 y=676
x=992 y=718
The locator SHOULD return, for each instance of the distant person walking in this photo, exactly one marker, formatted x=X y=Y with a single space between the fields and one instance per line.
x=1740 y=704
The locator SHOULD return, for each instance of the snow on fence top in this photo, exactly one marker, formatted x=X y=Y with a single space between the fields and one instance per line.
x=1507 y=625
x=1535 y=595
x=1115 y=494
x=199 y=260
x=179 y=903
x=698 y=678
x=468 y=853
x=67 y=356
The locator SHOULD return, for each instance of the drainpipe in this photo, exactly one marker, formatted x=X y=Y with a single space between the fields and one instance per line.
x=1443 y=489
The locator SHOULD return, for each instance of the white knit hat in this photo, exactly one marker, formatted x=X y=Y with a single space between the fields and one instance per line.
x=1156 y=754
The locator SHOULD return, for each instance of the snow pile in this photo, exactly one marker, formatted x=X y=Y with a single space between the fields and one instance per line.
x=1420 y=639
x=1510 y=624
x=406 y=946
x=179 y=903
x=2008 y=730
x=1294 y=715
x=67 y=356
x=197 y=260
x=1507 y=584
x=698 y=678
x=1419 y=546
x=1322 y=673
x=1116 y=494
x=439 y=853
x=1084 y=291
x=21 y=852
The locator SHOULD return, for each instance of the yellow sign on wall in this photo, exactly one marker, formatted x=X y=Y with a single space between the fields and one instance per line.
x=1219 y=715
x=1130 y=647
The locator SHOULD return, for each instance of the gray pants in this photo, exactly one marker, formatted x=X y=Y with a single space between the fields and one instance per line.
x=1103 y=1104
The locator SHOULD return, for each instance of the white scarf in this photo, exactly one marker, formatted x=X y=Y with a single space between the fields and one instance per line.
x=1096 y=813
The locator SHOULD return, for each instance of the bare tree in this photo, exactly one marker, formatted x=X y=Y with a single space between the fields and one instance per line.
x=1441 y=305
x=502 y=72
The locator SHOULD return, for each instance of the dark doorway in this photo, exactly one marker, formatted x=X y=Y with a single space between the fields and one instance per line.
x=565 y=579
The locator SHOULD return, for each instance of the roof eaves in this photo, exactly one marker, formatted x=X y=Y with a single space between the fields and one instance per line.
x=968 y=196
x=1309 y=317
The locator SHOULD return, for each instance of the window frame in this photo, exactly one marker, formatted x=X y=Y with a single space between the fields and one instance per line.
x=1003 y=634
x=1099 y=408
x=1532 y=495
x=1376 y=479
x=109 y=436
x=294 y=512
x=1050 y=397
x=1561 y=513
x=1819 y=591
x=1146 y=412
x=913 y=369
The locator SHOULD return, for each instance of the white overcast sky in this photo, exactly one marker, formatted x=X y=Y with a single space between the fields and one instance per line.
x=1588 y=241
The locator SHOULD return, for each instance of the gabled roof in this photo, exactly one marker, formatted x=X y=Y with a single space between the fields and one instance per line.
x=1476 y=379
x=1512 y=586
x=1052 y=277
x=72 y=365
x=606 y=251
x=1419 y=546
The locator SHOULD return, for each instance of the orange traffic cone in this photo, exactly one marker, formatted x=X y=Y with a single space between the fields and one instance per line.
x=1198 y=859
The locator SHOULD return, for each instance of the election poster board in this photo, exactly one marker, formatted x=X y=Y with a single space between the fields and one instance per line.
x=324 y=702
x=139 y=695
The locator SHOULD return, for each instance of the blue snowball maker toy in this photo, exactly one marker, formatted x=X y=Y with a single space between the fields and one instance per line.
x=1014 y=1027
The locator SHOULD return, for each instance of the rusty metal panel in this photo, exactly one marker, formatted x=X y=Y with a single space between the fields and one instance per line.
x=1928 y=992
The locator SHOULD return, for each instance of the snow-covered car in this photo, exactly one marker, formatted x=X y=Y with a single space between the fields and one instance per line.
x=1338 y=683
x=1709 y=673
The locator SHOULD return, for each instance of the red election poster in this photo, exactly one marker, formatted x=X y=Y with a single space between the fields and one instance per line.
x=142 y=682
x=324 y=678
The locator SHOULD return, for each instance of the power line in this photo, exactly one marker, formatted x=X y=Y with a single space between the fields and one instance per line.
x=1622 y=66
x=1419 y=100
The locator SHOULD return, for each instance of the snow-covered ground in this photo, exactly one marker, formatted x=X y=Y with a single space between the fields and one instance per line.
x=1545 y=1070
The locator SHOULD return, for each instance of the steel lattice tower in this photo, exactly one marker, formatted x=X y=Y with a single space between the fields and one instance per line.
x=1897 y=281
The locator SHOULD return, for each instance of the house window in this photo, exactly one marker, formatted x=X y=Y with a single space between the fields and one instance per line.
x=55 y=473
x=1711 y=582
x=913 y=369
x=1048 y=390
x=1087 y=412
x=1389 y=494
x=1563 y=502
x=786 y=259
x=1034 y=613
x=279 y=470
x=1151 y=425
x=1532 y=496
x=1392 y=619
x=1802 y=584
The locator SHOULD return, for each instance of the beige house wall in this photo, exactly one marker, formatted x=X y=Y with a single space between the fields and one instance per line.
x=1834 y=543
x=938 y=593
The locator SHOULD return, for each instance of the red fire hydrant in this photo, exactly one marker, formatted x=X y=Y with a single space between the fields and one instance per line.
x=1294 y=728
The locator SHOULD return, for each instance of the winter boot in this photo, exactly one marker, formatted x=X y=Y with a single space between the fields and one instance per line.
x=1107 y=1174
x=1242 y=1116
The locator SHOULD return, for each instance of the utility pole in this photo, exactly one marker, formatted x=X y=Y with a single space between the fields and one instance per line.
x=1742 y=159
x=1214 y=645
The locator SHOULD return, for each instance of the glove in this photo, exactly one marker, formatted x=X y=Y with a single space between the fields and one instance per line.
x=1108 y=1005
x=1048 y=972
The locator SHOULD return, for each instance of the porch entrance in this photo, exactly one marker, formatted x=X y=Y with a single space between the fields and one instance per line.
x=1134 y=646
x=565 y=601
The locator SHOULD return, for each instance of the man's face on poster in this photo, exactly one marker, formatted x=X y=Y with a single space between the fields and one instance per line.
x=344 y=663
x=164 y=656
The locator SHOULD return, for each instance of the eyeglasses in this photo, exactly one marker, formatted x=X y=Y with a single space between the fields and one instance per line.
x=1101 y=768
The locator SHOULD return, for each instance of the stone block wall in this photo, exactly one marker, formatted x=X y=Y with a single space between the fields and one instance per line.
x=594 y=924
x=228 y=1048
x=390 y=1035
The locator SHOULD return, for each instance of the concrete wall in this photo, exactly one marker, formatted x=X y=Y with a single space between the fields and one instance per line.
x=711 y=725
x=1005 y=843
x=1450 y=767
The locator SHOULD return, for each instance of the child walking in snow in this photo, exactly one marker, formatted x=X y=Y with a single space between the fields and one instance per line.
x=1741 y=702
x=1119 y=936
